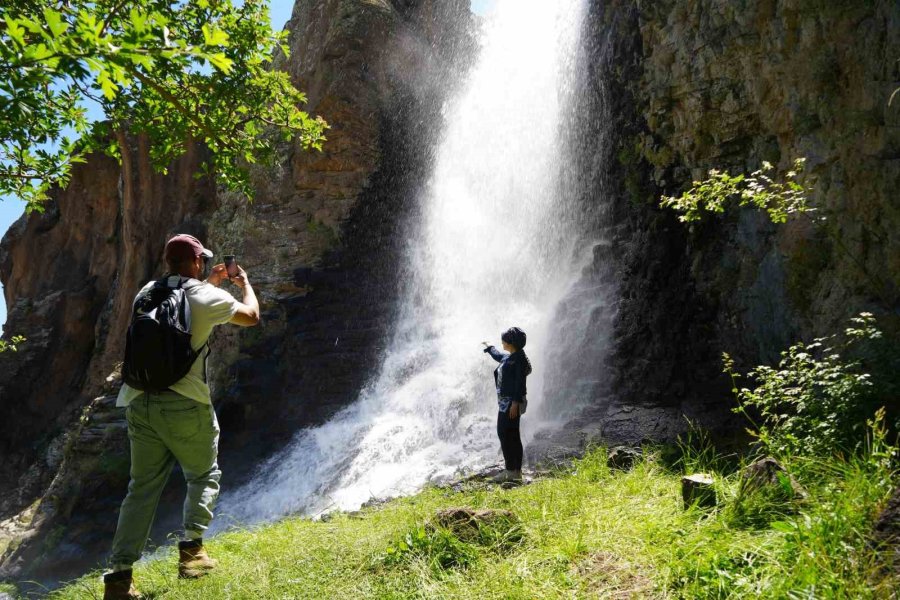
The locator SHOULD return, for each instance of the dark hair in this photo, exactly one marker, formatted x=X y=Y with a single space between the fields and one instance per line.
x=515 y=337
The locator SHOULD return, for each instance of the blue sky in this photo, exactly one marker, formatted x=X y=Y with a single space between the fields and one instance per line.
x=280 y=10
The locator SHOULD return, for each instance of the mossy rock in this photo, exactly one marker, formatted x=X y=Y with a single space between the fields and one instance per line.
x=481 y=526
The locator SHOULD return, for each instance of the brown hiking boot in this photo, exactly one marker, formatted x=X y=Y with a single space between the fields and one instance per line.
x=193 y=561
x=120 y=586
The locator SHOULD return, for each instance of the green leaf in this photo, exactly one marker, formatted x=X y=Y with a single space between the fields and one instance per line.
x=15 y=31
x=137 y=20
x=31 y=25
x=107 y=86
x=142 y=60
x=220 y=61
x=782 y=526
x=214 y=37
x=55 y=22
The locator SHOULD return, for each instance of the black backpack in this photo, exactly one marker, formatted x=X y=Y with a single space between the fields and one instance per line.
x=158 y=347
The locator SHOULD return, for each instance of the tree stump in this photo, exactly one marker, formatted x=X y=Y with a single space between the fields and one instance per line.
x=698 y=489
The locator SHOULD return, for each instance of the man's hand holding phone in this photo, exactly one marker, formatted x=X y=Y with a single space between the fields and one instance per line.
x=217 y=275
x=235 y=273
x=240 y=277
x=229 y=270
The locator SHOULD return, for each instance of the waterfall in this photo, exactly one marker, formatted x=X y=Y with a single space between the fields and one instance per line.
x=501 y=241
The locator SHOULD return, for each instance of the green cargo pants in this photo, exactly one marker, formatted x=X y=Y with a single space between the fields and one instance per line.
x=164 y=428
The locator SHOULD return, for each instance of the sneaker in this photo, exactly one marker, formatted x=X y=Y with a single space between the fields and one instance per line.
x=193 y=561
x=507 y=476
x=499 y=477
x=120 y=586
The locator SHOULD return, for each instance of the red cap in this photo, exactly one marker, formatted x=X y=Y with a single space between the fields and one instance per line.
x=185 y=247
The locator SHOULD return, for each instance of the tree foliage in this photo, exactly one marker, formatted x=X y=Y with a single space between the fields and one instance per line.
x=779 y=198
x=177 y=72
x=11 y=345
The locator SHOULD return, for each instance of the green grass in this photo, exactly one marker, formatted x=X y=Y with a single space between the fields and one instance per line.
x=585 y=532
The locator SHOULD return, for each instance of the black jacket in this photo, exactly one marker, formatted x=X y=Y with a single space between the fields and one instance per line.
x=510 y=374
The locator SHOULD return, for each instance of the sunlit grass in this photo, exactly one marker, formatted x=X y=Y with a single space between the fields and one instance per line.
x=585 y=532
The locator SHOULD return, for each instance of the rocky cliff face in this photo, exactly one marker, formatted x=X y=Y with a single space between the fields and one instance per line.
x=320 y=241
x=69 y=276
x=728 y=86
x=324 y=234
x=709 y=84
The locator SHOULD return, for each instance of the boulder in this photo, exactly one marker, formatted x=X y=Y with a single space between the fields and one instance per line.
x=768 y=472
x=623 y=458
x=886 y=533
x=465 y=523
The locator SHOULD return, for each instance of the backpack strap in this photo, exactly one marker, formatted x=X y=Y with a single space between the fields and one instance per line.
x=205 y=361
x=187 y=283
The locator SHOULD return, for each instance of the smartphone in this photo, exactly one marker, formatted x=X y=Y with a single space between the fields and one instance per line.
x=231 y=265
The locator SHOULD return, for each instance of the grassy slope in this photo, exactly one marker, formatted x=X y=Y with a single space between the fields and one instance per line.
x=587 y=532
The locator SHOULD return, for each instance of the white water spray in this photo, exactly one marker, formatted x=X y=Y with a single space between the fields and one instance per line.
x=500 y=243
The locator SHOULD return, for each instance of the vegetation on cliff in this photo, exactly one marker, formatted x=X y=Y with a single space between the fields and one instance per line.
x=11 y=345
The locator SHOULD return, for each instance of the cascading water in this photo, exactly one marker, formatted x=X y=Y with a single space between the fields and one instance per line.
x=500 y=243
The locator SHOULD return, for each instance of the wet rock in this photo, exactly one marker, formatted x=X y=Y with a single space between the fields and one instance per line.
x=483 y=478
x=695 y=85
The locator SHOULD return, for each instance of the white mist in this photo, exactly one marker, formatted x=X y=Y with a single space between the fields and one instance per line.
x=500 y=244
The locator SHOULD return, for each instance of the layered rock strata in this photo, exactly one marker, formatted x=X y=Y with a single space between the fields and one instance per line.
x=69 y=276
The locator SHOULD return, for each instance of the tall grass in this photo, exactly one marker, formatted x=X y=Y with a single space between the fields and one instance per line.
x=583 y=532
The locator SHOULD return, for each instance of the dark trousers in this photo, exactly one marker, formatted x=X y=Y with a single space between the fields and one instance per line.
x=510 y=441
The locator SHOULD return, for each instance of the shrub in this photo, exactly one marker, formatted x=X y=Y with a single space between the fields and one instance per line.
x=819 y=398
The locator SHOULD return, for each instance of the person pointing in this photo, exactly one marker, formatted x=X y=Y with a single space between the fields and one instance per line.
x=510 y=382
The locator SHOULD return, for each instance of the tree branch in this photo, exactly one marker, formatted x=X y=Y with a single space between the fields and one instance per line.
x=108 y=20
x=176 y=102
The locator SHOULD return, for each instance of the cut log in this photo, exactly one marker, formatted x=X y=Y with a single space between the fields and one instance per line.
x=698 y=489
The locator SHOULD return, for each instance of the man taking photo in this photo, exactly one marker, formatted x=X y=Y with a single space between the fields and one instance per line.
x=168 y=407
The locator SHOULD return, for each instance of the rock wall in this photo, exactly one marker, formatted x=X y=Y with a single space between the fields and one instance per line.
x=324 y=233
x=321 y=242
x=70 y=274
x=728 y=86
x=713 y=84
